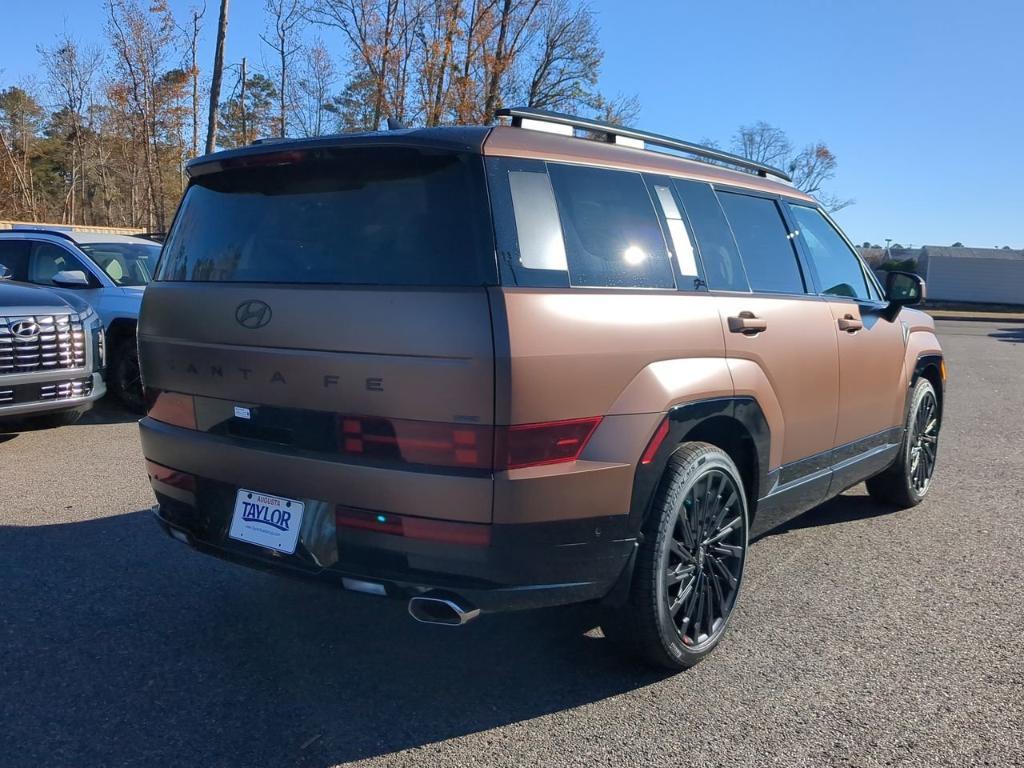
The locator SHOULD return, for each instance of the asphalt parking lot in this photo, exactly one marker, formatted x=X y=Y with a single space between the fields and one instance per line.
x=864 y=638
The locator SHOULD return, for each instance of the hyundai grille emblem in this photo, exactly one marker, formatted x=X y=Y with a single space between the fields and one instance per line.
x=25 y=330
x=253 y=314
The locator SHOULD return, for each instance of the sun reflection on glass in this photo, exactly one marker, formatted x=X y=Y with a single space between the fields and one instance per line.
x=634 y=255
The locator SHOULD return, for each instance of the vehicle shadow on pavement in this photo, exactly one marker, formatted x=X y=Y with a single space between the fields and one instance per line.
x=103 y=412
x=1013 y=335
x=124 y=647
x=841 y=509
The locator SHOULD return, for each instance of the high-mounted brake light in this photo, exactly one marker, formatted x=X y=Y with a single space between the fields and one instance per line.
x=656 y=440
x=171 y=408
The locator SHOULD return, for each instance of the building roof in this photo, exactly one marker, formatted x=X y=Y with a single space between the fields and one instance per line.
x=948 y=252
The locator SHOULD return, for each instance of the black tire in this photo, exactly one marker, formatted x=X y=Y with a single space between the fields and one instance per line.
x=59 y=419
x=124 y=376
x=906 y=482
x=689 y=566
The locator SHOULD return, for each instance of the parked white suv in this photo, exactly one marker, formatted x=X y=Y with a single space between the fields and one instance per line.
x=108 y=271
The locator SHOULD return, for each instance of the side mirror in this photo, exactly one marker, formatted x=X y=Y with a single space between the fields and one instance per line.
x=5 y=273
x=903 y=289
x=70 y=278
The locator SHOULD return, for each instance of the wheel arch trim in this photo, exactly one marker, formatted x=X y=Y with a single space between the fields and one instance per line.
x=746 y=429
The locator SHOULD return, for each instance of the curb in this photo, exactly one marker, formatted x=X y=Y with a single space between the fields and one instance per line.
x=994 y=318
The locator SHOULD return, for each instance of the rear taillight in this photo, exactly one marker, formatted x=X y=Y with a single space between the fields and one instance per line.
x=467 y=446
x=551 y=442
x=171 y=408
x=416 y=442
x=472 y=534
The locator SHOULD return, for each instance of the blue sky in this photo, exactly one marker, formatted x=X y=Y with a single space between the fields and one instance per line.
x=922 y=101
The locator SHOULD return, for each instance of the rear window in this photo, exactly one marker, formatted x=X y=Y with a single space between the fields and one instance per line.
x=384 y=216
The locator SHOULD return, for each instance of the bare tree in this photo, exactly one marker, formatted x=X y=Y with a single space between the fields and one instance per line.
x=379 y=33
x=512 y=33
x=436 y=36
x=763 y=143
x=313 y=89
x=566 y=63
x=218 y=74
x=286 y=19
x=70 y=77
x=811 y=167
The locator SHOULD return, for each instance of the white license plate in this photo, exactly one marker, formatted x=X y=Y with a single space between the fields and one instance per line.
x=266 y=521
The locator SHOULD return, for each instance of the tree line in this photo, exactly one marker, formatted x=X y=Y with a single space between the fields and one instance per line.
x=103 y=134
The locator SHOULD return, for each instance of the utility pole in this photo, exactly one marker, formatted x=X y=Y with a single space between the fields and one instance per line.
x=218 y=73
x=241 y=102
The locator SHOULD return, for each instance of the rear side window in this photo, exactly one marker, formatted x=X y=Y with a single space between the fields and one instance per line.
x=14 y=256
x=612 y=235
x=837 y=268
x=359 y=216
x=763 y=238
x=723 y=269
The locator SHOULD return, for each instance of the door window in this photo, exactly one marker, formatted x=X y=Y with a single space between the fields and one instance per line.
x=49 y=259
x=723 y=269
x=612 y=235
x=14 y=256
x=837 y=267
x=763 y=238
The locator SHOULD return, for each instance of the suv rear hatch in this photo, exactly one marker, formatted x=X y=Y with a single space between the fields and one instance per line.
x=328 y=305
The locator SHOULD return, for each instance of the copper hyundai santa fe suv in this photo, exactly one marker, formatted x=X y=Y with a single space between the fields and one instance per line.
x=482 y=369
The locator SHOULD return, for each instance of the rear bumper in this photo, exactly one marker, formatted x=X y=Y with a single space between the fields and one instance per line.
x=535 y=567
x=526 y=565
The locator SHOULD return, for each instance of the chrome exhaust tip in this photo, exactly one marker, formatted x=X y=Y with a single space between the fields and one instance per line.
x=436 y=608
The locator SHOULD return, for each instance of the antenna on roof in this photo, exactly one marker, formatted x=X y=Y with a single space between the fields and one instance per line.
x=556 y=122
x=394 y=124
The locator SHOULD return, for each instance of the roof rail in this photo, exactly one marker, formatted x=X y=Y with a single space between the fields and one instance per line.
x=41 y=231
x=637 y=139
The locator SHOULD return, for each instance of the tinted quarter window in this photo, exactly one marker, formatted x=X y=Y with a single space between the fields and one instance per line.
x=837 y=268
x=14 y=256
x=722 y=267
x=682 y=245
x=612 y=234
x=765 y=246
x=537 y=226
x=380 y=216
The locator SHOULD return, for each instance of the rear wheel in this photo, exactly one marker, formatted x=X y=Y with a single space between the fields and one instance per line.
x=125 y=376
x=907 y=481
x=690 y=564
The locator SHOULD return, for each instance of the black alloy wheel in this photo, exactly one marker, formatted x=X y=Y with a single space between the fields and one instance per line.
x=689 y=564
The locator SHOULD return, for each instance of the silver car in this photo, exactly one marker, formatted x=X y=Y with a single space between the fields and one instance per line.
x=109 y=271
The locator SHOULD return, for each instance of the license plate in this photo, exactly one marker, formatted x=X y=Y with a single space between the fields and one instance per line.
x=266 y=521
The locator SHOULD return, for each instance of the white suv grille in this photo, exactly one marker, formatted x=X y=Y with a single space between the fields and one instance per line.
x=41 y=343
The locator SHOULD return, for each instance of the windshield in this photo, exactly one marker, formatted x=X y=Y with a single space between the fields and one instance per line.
x=394 y=216
x=124 y=263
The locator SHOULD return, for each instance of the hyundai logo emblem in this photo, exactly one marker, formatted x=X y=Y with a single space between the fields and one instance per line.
x=25 y=330
x=253 y=314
